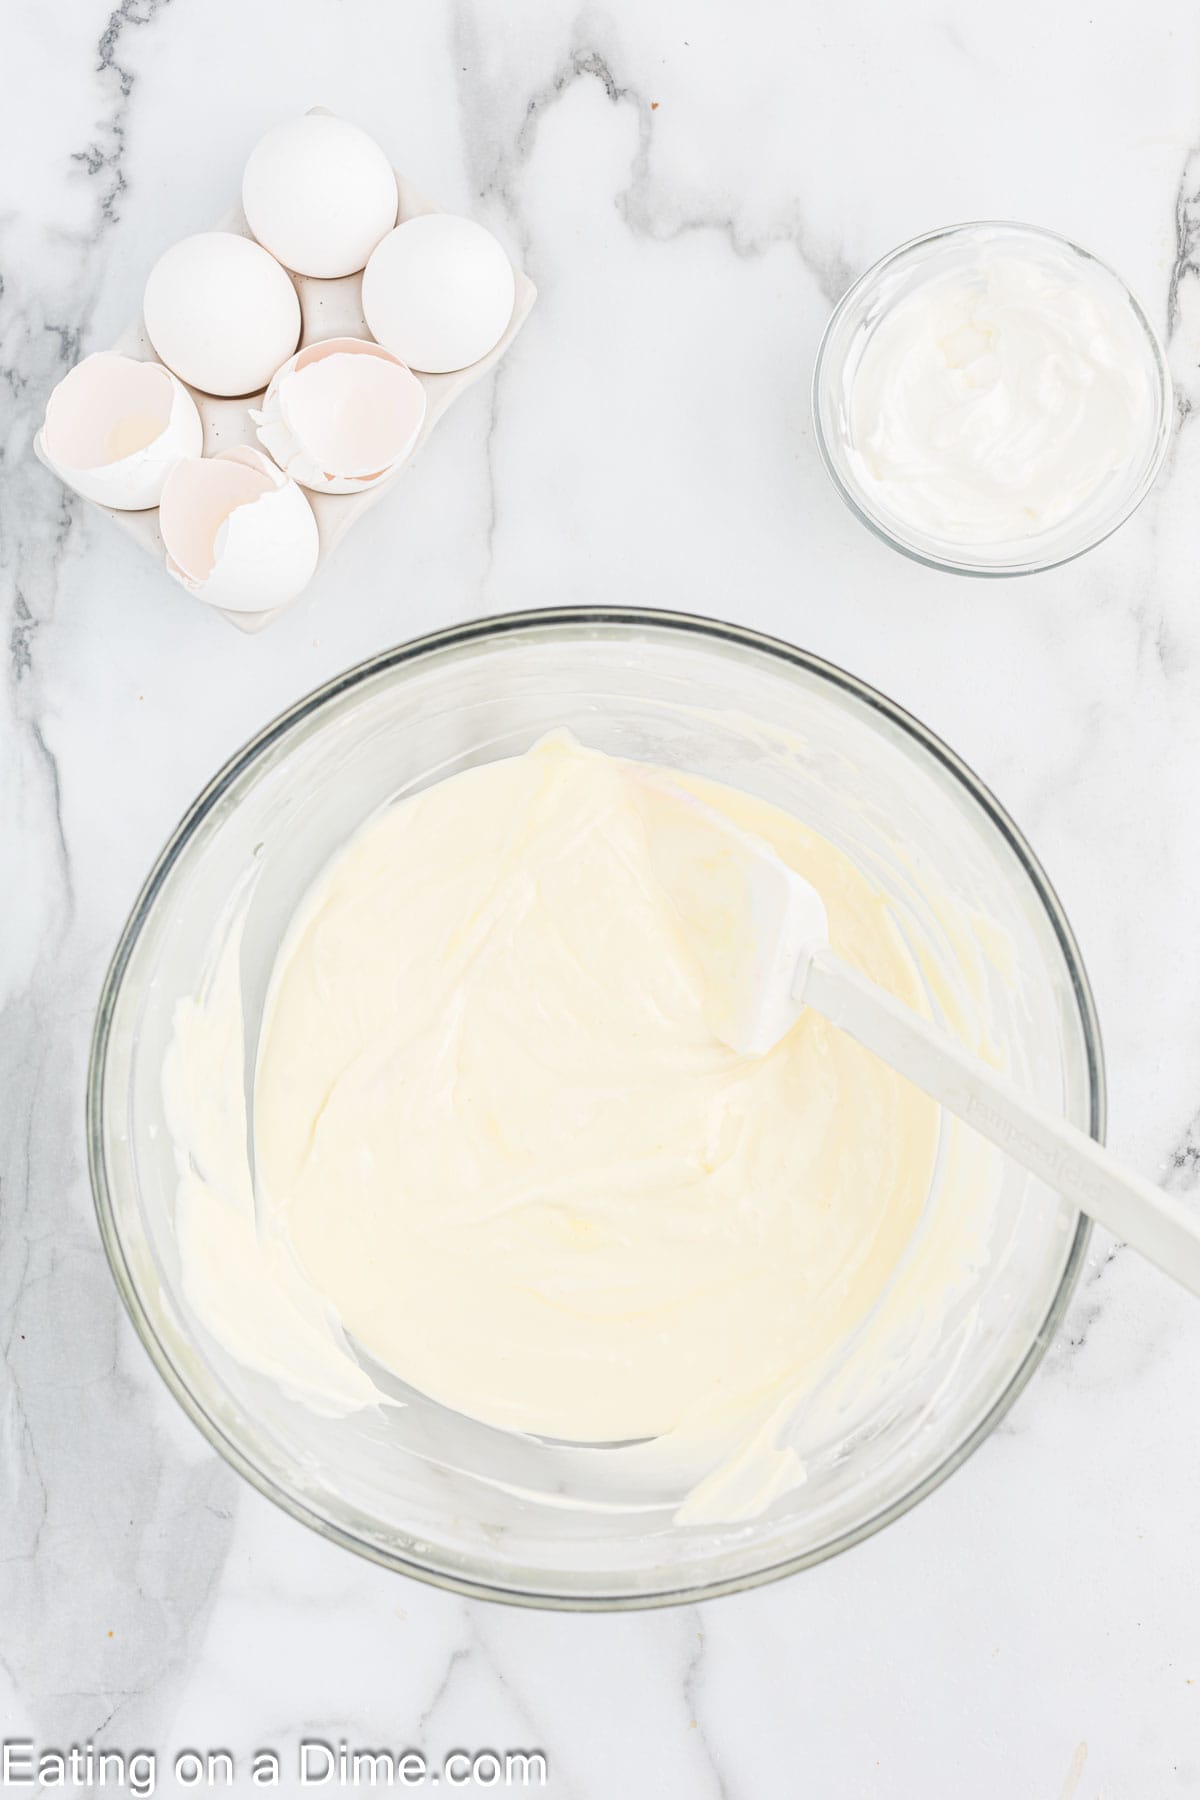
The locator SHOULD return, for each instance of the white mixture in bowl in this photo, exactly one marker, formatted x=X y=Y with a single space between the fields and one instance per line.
x=1006 y=392
x=500 y=1148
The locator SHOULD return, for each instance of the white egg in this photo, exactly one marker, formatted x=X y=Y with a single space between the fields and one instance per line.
x=115 y=428
x=221 y=312
x=341 y=416
x=237 y=532
x=319 y=194
x=438 y=291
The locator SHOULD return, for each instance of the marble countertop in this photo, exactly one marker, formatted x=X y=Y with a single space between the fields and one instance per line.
x=691 y=186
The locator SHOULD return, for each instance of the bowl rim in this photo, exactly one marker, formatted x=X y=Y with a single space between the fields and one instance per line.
x=501 y=626
x=876 y=522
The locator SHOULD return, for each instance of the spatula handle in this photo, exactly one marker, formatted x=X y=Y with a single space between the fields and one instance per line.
x=1153 y=1223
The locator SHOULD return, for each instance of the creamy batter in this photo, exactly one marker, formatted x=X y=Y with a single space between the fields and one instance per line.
x=998 y=398
x=501 y=1149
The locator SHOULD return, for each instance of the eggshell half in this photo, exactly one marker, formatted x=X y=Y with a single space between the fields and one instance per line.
x=319 y=194
x=115 y=428
x=221 y=312
x=237 y=532
x=341 y=416
x=438 y=292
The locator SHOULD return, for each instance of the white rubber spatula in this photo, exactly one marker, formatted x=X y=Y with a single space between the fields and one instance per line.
x=763 y=940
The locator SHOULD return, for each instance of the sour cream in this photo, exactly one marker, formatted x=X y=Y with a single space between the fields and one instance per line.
x=1007 y=392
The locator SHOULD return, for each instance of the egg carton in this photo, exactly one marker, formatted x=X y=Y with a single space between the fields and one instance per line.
x=328 y=309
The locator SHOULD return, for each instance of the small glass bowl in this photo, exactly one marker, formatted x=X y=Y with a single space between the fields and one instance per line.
x=859 y=313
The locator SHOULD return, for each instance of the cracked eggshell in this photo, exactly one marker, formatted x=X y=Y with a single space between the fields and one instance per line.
x=237 y=532
x=319 y=194
x=341 y=416
x=221 y=312
x=115 y=428
x=438 y=292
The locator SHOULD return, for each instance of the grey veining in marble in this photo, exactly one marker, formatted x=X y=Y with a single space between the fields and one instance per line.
x=691 y=186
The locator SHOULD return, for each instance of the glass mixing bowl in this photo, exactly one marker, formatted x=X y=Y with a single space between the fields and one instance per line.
x=424 y=1490
x=888 y=283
